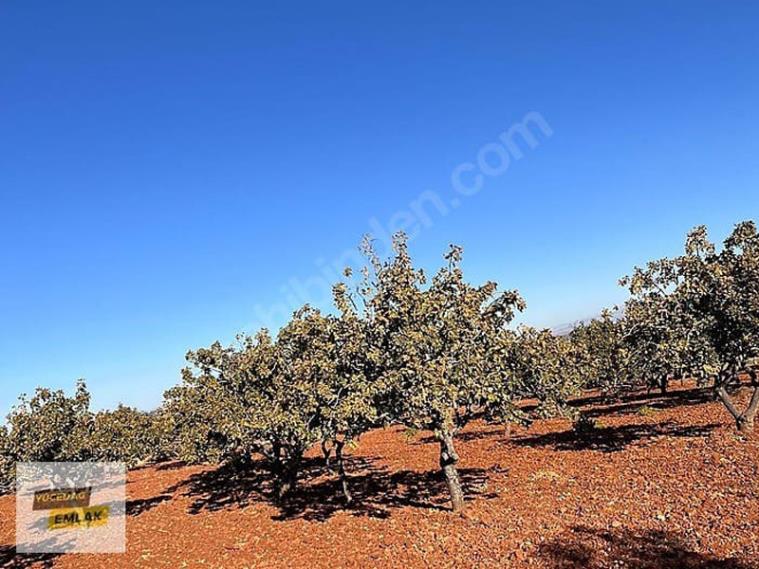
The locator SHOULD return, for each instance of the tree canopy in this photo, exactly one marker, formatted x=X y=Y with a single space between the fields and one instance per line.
x=429 y=353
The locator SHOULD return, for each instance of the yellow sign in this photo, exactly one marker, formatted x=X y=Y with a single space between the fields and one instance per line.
x=78 y=518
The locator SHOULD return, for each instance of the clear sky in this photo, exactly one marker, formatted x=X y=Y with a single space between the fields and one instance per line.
x=172 y=173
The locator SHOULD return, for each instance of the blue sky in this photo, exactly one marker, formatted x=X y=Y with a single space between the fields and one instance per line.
x=167 y=169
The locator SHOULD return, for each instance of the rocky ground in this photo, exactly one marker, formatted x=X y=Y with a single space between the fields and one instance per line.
x=661 y=482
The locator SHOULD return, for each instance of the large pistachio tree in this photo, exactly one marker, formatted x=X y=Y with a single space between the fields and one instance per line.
x=441 y=345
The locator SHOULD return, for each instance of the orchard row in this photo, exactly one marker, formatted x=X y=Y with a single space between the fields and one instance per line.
x=430 y=353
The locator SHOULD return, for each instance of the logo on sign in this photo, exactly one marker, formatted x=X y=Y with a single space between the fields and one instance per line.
x=78 y=518
x=62 y=498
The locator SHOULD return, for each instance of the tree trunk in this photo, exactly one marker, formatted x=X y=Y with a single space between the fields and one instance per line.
x=507 y=431
x=275 y=462
x=285 y=471
x=341 y=471
x=448 y=461
x=746 y=426
x=326 y=452
x=288 y=478
x=743 y=421
x=663 y=385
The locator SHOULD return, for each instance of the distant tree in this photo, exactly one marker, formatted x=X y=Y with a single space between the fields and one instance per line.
x=546 y=367
x=603 y=343
x=699 y=314
x=127 y=435
x=7 y=464
x=48 y=427
x=661 y=341
x=441 y=347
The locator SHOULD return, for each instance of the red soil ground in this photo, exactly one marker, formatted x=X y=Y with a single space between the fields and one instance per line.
x=663 y=482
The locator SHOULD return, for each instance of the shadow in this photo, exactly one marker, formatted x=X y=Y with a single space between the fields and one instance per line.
x=466 y=436
x=633 y=403
x=227 y=486
x=589 y=548
x=173 y=465
x=9 y=558
x=376 y=491
x=595 y=406
x=471 y=436
x=137 y=507
x=612 y=439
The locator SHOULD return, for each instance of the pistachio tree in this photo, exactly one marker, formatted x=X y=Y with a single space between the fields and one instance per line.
x=546 y=367
x=241 y=400
x=128 y=435
x=441 y=347
x=729 y=289
x=663 y=340
x=332 y=367
x=207 y=410
x=50 y=426
x=698 y=314
x=7 y=464
x=352 y=391
x=603 y=343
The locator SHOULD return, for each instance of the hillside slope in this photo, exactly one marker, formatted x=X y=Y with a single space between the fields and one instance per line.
x=663 y=482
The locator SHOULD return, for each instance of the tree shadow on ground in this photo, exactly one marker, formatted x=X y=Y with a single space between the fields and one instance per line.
x=9 y=558
x=137 y=507
x=171 y=465
x=595 y=406
x=612 y=439
x=235 y=486
x=470 y=436
x=599 y=407
x=590 y=548
x=376 y=491
x=466 y=436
